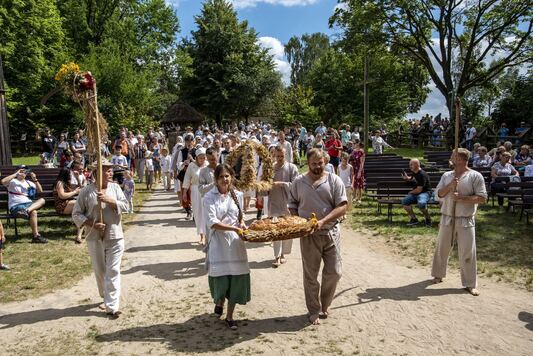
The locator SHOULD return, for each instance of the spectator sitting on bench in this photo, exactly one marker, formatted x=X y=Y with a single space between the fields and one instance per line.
x=2 y=240
x=419 y=195
x=523 y=158
x=64 y=196
x=501 y=169
x=482 y=160
x=21 y=193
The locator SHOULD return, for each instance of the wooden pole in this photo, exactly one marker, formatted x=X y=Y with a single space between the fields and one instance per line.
x=455 y=151
x=365 y=104
x=99 y=177
x=5 y=139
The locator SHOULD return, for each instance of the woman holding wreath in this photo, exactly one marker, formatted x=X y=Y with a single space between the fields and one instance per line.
x=226 y=260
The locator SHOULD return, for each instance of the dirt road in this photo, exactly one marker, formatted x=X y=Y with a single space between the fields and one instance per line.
x=384 y=305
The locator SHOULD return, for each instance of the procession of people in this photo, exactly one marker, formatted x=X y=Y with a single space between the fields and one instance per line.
x=196 y=164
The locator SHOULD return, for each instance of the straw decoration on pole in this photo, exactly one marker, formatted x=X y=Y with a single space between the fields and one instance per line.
x=81 y=88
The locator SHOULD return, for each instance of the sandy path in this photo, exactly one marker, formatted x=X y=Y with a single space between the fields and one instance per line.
x=384 y=305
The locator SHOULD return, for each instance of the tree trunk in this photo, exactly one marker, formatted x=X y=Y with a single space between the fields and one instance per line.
x=5 y=139
x=218 y=120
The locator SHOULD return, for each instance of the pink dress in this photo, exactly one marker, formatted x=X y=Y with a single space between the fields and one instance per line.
x=355 y=161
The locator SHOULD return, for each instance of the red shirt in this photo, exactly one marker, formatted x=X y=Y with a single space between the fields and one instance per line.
x=331 y=145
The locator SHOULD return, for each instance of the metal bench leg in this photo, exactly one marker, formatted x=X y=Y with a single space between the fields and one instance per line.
x=16 y=229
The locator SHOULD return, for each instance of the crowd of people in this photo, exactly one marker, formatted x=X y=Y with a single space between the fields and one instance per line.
x=192 y=163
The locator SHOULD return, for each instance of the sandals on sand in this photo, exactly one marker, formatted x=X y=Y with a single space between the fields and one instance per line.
x=232 y=324
x=219 y=310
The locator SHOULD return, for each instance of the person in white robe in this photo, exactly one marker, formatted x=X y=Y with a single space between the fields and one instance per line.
x=191 y=181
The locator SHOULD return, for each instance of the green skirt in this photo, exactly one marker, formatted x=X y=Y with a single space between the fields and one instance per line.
x=234 y=288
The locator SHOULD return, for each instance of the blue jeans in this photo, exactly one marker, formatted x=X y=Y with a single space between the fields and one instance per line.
x=421 y=200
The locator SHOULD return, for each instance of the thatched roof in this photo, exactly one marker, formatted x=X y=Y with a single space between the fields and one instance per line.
x=181 y=113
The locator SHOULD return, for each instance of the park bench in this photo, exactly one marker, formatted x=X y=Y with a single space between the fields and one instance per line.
x=392 y=193
x=47 y=177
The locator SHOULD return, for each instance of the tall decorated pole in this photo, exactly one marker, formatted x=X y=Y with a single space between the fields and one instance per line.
x=5 y=140
x=81 y=88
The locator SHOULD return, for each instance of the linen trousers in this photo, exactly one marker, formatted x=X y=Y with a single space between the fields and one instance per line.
x=139 y=166
x=316 y=248
x=167 y=182
x=466 y=244
x=282 y=248
x=197 y=209
x=106 y=256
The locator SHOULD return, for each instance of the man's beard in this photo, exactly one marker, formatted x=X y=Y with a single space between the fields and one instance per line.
x=317 y=171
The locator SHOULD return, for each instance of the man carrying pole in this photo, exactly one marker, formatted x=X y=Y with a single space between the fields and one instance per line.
x=459 y=191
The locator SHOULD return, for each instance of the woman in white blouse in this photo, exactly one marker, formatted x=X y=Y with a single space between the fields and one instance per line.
x=191 y=180
x=226 y=260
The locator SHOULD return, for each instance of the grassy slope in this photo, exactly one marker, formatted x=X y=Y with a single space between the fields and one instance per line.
x=39 y=269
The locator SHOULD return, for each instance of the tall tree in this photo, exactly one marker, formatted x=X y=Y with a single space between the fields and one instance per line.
x=302 y=52
x=451 y=38
x=32 y=47
x=232 y=75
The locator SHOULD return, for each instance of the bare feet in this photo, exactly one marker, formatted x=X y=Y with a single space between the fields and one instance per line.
x=473 y=291
x=314 y=319
x=276 y=263
x=323 y=315
x=101 y=306
x=282 y=260
x=436 y=280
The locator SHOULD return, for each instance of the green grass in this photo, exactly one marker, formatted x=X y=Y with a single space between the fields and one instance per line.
x=504 y=245
x=39 y=269
x=27 y=160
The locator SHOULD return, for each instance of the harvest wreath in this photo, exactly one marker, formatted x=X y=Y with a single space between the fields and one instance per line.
x=279 y=228
x=247 y=177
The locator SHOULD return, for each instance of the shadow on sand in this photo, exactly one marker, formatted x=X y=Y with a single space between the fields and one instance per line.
x=37 y=316
x=410 y=292
x=526 y=318
x=191 y=335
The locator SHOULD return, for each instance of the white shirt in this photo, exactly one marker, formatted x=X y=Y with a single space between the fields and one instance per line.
x=345 y=175
x=119 y=160
x=165 y=163
x=149 y=164
x=226 y=252
x=329 y=168
x=20 y=188
x=86 y=208
x=529 y=171
x=470 y=133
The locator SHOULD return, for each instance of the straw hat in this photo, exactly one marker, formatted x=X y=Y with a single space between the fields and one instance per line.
x=105 y=163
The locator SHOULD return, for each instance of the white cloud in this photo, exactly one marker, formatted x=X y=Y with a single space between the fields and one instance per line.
x=240 y=4
x=276 y=50
x=173 y=3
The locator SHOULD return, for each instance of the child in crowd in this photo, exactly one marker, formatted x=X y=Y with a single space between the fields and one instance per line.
x=120 y=164
x=2 y=240
x=149 y=167
x=129 y=189
x=329 y=167
x=346 y=174
x=166 y=161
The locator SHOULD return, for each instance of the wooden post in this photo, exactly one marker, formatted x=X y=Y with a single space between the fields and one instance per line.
x=5 y=139
x=99 y=177
x=365 y=104
x=455 y=151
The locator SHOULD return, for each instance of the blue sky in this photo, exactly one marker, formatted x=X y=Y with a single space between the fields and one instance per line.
x=277 y=21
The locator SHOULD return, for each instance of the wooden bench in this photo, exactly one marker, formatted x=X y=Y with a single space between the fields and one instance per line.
x=392 y=193
x=47 y=177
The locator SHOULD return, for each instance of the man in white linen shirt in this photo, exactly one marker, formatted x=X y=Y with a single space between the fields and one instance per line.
x=105 y=240
x=466 y=188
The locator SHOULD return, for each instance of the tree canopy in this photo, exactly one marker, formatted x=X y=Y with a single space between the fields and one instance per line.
x=231 y=75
